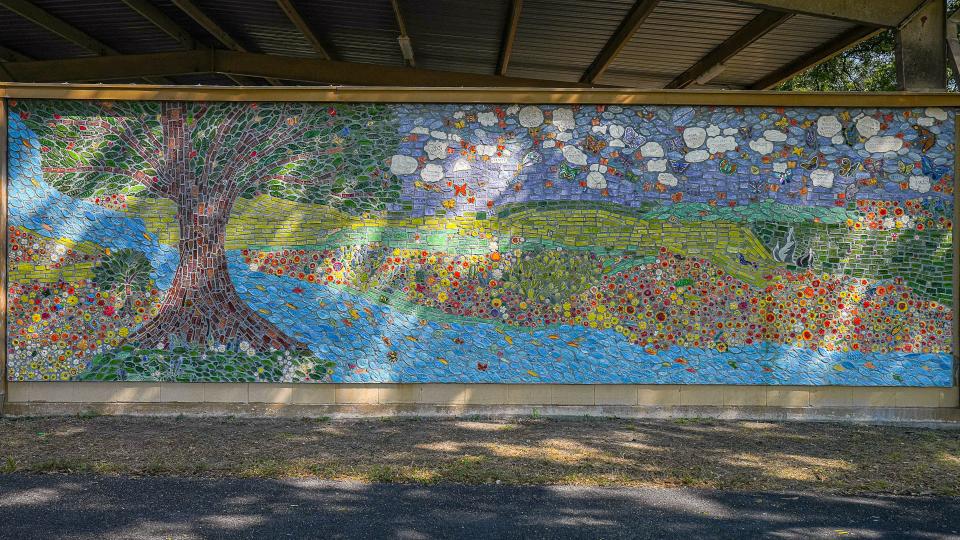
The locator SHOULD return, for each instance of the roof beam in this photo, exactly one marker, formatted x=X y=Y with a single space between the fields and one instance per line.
x=102 y=68
x=629 y=26
x=161 y=21
x=406 y=47
x=311 y=70
x=211 y=26
x=58 y=26
x=10 y=55
x=208 y=24
x=817 y=56
x=740 y=40
x=887 y=13
x=291 y=11
x=174 y=30
x=509 y=35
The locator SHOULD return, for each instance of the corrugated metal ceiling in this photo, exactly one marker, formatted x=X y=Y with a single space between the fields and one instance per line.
x=559 y=39
x=555 y=39
x=674 y=37
x=792 y=39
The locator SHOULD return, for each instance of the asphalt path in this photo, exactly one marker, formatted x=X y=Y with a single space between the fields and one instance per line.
x=68 y=506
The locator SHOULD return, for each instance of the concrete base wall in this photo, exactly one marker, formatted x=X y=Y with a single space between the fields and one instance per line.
x=719 y=401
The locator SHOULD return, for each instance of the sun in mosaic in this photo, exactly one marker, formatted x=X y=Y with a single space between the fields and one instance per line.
x=304 y=242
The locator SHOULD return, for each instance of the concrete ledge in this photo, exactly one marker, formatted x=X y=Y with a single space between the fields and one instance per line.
x=561 y=395
x=943 y=417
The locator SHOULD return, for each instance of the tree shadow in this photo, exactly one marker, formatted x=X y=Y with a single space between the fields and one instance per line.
x=121 y=507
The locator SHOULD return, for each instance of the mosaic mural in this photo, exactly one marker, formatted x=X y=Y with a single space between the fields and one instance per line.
x=479 y=243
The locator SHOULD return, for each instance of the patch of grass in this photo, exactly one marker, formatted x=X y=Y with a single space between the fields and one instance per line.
x=694 y=452
x=693 y=421
x=60 y=465
x=156 y=468
x=270 y=468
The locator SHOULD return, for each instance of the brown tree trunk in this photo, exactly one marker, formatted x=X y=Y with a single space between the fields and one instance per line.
x=202 y=305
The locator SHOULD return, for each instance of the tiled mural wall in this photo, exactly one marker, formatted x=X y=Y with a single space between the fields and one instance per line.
x=479 y=243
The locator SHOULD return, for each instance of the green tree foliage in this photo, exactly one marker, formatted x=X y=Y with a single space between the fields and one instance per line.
x=125 y=271
x=296 y=151
x=870 y=66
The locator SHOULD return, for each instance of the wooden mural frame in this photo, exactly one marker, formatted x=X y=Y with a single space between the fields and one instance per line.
x=344 y=94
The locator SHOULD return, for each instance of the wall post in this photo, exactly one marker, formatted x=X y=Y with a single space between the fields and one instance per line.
x=956 y=256
x=921 y=52
x=3 y=252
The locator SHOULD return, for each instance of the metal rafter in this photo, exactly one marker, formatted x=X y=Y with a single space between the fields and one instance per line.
x=817 y=56
x=10 y=55
x=740 y=40
x=291 y=11
x=159 y=19
x=629 y=26
x=406 y=51
x=887 y=13
x=509 y=35
x=58 y=26
x=211 y=26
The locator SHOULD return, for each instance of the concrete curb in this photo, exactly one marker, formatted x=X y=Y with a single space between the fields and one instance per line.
x=945 y=417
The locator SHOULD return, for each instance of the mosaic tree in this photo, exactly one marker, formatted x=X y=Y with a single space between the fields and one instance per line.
x=124 y=271
x=203 y=157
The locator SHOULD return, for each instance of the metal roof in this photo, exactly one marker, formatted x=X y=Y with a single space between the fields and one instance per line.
x=673 y=43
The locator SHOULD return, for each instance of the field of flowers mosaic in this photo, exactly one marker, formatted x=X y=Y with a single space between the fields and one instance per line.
x=479 y=243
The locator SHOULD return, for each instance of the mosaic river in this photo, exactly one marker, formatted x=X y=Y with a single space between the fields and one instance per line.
x=479 y=243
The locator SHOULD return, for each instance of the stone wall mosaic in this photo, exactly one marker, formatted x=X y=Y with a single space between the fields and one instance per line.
x=478 y=243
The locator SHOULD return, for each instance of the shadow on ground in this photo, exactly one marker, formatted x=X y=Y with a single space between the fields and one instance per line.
x=748 y=456
x=86 y=506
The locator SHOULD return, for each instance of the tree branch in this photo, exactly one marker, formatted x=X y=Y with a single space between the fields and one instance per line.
x=128 y=137
x=172 y=116
x=213 y=153
x=262 y=169
x=296 y=180
x=151 y=183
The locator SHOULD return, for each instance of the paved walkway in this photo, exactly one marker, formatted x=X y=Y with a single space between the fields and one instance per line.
x=58 y=506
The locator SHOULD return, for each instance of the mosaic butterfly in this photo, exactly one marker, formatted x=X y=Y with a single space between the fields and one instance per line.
x=676 y=144
x=935 y=172
x=850 y=135
x=846 y=166
x=594 y=145
x=811 y=137
x=679 y=166
x=811 y=163
x=727 y=167
x=566 y=172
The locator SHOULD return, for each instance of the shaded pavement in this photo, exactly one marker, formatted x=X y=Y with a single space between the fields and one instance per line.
x=81 y=506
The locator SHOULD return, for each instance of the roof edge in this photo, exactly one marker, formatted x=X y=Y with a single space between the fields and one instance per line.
x=391 y=94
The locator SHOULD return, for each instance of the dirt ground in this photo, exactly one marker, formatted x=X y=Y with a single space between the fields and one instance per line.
x=831 y=458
